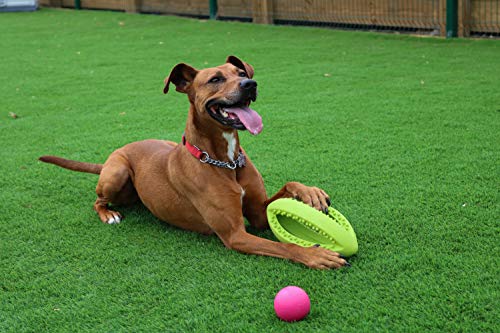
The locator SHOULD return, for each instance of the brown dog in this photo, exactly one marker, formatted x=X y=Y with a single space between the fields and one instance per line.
x=211 y=188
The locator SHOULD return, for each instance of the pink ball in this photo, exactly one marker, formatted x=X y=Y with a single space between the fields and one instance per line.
x=292 y=304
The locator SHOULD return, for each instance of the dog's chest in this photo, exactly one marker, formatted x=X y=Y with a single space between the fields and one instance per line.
x=231 y=144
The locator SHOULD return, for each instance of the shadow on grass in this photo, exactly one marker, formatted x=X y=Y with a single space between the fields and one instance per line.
x=137 y=215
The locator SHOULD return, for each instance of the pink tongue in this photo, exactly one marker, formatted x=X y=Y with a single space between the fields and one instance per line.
x=249 y=118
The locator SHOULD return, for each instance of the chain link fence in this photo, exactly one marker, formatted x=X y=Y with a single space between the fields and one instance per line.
x=401 y=15
x=481 y=17
x=435 y=17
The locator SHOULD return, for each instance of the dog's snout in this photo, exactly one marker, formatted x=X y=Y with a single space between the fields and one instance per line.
x=248 y=84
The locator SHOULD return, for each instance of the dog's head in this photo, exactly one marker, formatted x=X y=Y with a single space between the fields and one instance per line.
x=220 y=94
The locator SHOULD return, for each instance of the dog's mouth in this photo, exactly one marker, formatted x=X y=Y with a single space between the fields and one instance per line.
x=238 y=116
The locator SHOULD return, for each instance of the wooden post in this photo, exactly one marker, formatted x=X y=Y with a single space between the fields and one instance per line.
x=262 y=11
x=373 y=12
x=132 y=6
x=442 y=18
x=464 y=18
x=55 y=3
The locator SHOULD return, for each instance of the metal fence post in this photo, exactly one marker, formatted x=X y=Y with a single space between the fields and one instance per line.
x=213 y=9
x=451 y=18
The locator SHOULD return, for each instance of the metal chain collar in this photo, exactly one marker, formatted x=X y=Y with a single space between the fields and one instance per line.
x=239 y=163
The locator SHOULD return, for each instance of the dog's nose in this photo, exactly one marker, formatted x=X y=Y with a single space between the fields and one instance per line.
x=248 y=84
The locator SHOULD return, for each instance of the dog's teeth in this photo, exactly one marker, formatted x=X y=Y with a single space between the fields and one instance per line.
x=225 y=114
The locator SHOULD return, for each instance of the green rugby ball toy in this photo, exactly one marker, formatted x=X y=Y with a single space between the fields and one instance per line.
x=295 y=222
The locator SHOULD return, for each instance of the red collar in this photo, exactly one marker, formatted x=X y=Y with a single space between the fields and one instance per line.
x=203 y=157
x=195 y=151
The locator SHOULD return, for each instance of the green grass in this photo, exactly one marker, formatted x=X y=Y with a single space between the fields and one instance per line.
x=403 y=133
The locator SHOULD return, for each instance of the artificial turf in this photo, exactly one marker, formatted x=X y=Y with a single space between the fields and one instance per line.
x=402 y=131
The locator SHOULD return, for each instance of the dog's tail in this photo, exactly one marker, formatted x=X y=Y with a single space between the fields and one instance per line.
x=73 y=165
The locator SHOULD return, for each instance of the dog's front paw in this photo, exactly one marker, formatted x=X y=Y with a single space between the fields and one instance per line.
x=320 y=258
x=110 y=217
x=311 y=195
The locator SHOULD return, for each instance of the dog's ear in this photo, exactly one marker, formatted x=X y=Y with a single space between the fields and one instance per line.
x=182 y=76
x=241 y=64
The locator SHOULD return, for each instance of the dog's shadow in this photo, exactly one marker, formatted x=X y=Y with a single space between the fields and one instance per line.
x=138 y=216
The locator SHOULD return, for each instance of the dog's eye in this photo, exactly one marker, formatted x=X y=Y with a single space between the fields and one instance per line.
x=243 y=74
x=215 y=80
